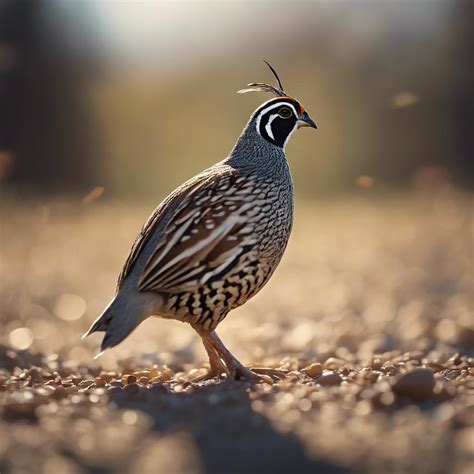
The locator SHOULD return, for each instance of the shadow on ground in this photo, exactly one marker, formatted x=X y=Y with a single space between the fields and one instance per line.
x=229 y=435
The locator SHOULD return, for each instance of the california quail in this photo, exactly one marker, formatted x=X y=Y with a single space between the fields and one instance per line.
x=215 y=241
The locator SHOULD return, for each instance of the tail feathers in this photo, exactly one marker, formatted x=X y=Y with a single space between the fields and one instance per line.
x=117 y=321
x=100 y=324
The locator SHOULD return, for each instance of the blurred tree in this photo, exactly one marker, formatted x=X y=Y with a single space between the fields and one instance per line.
x=46 y=129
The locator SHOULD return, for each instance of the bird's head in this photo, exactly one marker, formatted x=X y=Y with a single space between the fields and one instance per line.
x=278 y=118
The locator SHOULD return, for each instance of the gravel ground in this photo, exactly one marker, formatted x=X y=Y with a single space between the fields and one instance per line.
x=371 y=313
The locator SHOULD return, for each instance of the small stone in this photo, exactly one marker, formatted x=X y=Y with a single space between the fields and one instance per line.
x=334 y=363
x=436 y=366
x=114 y=389
x=166 y=375
x=129 y=379
x=154 y=372
x=452 y=374
x=417 y=384
x=376 y=364
x=454 y=360
x=35 y=375
x=313 y=370
x=329 y=378
x=107 y=376
x=72 y=389
x=76 y=379
x=99 y=382
x=85 y=383
x=142 y=374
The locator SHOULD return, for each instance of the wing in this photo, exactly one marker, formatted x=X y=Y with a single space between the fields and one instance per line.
x=209 y=232
x=164 y=212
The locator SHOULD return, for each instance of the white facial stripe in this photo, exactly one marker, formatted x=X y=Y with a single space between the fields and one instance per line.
x=268 y=126
x=271 y=107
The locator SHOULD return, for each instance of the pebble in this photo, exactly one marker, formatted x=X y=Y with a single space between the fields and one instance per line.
x=115 y=390
x=417 y=384
x=128 y=379
x=334 y=363
x=376 y=364
x=166 y=375
x=85 y=383
x=107 y=376
x=143 y=374
x=328 y=379
x=313 y=370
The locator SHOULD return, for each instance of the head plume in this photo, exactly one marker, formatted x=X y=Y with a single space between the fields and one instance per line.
x=261 y=87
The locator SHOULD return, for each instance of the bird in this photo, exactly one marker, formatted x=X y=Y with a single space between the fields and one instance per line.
x=216 y=240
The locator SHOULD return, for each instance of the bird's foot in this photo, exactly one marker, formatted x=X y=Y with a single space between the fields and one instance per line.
x=255 y=374
x=222 y=361
x=270 y=372
x=212 y=373
x=238 y=371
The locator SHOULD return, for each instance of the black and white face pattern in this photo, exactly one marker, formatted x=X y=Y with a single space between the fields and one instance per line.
x=276 y=119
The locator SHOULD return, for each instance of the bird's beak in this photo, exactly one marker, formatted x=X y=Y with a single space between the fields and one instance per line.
x=304 y=120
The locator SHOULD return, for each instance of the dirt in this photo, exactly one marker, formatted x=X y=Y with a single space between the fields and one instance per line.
x=370 y=315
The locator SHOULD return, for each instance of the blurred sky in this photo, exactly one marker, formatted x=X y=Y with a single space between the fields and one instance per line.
x=136 y=96
x=160 y=35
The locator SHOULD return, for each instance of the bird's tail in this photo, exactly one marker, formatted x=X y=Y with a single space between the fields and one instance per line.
x=117 y=321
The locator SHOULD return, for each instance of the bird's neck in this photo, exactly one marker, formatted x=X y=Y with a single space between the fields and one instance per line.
x=252 y=151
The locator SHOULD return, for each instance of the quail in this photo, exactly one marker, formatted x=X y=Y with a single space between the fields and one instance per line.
x=216 y=240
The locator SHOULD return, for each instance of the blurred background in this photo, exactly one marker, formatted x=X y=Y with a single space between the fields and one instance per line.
x=137 y=96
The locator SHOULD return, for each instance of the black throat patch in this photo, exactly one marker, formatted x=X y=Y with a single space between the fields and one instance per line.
x=277 y=123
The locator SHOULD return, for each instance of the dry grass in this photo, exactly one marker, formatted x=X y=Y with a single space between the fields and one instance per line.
x=371 y=289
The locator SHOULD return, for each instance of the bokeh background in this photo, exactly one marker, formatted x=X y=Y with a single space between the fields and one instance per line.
x=106 y=106
x=136 y=96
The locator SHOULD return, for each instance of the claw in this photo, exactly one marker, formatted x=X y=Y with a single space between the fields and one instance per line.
x=211 y=374
x=222 y=361
x=277 y=374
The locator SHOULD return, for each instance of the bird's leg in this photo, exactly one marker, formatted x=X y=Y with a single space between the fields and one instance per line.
x=236 y=369
x=216 y=366
x=221 y=360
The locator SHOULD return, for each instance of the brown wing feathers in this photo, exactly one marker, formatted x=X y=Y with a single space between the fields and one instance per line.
x=206 y=232
x=204 y=235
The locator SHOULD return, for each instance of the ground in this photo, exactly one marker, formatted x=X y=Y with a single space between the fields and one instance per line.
x=371 y=313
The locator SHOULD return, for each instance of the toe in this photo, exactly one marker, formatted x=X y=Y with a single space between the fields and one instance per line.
x=270 y=372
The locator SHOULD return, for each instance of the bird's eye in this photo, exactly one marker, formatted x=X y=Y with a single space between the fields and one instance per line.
x=285 y=112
